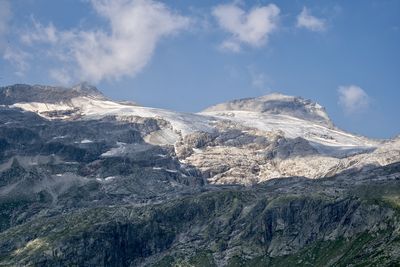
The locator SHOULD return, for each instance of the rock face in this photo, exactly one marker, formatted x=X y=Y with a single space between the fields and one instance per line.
x=22 y=93
x=274 y=224
x=266 y=137
x=85 y=181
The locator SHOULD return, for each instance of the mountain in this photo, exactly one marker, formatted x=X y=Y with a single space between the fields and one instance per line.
x=278 y=104
x=22 y=93
x=268 y=181
x=264 y=137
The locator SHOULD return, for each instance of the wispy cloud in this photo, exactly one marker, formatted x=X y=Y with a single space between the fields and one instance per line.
x=308 y=21
x=60 y=75
x=258 y=79
x=18 y=58
x=251 y=28
x=40 y=33
x=136 y=27
x=353 y=99
x=5 y=16
x=15 y=56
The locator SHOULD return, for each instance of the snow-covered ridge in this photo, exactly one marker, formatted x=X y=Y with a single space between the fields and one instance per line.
x=293 y=116
x=244 y=141
x=93 y=108
x=278 y=104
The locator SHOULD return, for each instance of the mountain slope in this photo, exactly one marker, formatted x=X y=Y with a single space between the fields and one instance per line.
x=279 y=223
x=285 y=130
x=87 y=181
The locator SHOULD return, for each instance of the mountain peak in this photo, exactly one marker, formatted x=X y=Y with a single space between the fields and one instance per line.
x=87 y=89
x=23 y=93
x=277 y=103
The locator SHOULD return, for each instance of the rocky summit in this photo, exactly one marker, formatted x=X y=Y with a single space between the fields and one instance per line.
x=266 y=181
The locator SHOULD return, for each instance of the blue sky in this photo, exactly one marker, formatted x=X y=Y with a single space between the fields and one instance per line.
x=187 y=55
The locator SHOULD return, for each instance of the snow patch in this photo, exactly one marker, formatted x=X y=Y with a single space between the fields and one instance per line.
x=197 y=150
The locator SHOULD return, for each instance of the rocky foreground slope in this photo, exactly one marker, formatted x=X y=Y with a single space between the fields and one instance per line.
x=86 y=181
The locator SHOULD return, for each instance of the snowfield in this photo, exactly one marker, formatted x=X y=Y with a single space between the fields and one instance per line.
x=95 y=108
x=243 y=141
x=328 y=140
x=325 y=139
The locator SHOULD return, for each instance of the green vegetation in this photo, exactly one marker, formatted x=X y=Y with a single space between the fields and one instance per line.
x=247 y=224
x=338 y=252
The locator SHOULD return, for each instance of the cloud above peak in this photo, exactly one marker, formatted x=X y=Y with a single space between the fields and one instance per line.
x=309 y=22
x=252 y=28
x=353 y=99
x=136 y=27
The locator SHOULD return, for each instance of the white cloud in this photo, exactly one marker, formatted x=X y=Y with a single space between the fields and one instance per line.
x=259 y=80
x=18 y=58
x=40 y=33
x=353 y=99
x=15 y=56
x=5 y=16
x=307 y=21
x=136 y=27
x=229 y=45
x=252 y=28
x=61 y=76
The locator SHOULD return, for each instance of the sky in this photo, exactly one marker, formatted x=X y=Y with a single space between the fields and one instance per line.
x=188 y=55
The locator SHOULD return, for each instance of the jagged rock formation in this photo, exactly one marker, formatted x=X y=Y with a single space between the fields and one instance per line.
x=88 y=181
x=292 y=131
